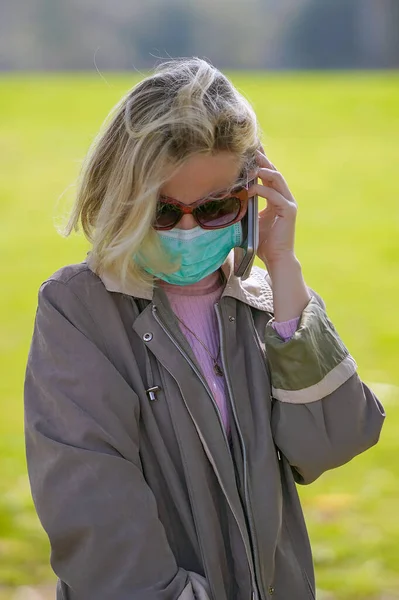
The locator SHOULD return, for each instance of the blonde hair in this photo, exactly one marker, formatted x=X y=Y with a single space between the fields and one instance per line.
x=184 y=108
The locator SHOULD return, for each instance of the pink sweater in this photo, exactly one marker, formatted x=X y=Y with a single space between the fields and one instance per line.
x=195 y=305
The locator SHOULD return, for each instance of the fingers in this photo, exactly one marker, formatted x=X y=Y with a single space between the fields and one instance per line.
x=273 y=196
x=276 y=180
x=263 y=161
x=270 y=176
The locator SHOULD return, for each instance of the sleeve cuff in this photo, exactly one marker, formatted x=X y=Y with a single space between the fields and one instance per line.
x=286 y=329
x=313 y=363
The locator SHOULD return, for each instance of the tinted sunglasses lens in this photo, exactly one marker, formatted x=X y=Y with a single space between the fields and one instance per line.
x=167 y=215
x=216 y=213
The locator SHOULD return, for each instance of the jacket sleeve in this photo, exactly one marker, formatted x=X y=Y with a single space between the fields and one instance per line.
x=81 y=432
x=323 y=414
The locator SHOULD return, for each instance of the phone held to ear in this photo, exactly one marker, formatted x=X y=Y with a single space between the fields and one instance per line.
x=244 y=255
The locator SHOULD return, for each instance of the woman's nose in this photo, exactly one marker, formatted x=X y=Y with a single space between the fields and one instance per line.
x=187 y=222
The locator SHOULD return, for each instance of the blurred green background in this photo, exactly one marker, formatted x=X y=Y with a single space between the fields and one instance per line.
x=335 y=137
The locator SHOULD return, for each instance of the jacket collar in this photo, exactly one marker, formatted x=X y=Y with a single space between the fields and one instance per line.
x=255 y=291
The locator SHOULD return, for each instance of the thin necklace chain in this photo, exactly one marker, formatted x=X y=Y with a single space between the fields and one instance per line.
x=216 y=367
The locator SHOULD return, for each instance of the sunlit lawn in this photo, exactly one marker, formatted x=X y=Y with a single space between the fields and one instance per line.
x=336 y=139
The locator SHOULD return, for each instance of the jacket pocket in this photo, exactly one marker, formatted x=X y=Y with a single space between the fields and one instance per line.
x=290 y=579
x=295 y=557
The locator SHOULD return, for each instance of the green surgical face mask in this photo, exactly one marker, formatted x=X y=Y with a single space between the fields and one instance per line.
x=199 y=252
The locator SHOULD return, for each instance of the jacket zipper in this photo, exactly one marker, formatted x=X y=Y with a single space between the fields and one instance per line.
x=262 y=353
x=197 y=372
x=246 y=489
x=254 y=595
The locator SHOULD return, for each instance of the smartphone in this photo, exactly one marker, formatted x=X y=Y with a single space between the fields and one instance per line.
x=244 y=255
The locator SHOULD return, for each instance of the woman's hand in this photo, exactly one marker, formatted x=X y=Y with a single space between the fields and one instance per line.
x=277 y=220
x=276 y=242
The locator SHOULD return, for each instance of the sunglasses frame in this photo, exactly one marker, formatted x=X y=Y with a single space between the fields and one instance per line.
x=188 y=209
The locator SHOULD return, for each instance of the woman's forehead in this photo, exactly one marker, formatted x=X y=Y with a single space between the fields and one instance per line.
x=202 y=175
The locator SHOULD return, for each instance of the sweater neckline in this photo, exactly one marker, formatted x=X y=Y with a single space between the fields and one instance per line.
x=211 y=283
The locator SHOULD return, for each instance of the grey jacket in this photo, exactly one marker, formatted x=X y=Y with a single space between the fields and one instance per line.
x=141 y=493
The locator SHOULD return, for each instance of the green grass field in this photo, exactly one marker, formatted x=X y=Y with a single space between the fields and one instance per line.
x=335 y=137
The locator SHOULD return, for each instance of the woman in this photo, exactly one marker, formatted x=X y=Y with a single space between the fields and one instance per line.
x=171 y=406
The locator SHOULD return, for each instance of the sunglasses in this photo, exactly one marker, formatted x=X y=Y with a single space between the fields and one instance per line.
x=211 y=213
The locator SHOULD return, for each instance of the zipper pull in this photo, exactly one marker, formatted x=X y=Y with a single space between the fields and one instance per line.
x=151 y=392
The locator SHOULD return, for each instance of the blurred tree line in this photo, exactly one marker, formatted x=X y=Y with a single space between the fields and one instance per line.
x=251 y=34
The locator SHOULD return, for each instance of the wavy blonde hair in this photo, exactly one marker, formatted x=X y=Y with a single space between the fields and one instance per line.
x=185 y=107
